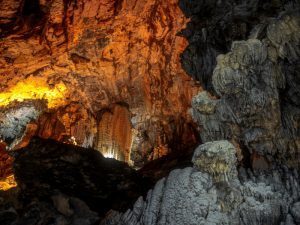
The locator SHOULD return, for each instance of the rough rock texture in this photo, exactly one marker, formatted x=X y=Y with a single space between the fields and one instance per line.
x=17 y=122
x=192 y=196
x=96 y=55
x=258 y=88
x=5 y=162
x=46 y=165
x=215 y=24
x=252 y=99
x=216 y=158
x=61 y=209
x=215 y=192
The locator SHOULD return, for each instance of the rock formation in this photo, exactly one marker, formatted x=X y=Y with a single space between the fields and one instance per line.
x=252 y=99
x=86 y=57
x=215 y=24
x=46 y=166
x=109 y=77
x=212 y=193
x=258 y=88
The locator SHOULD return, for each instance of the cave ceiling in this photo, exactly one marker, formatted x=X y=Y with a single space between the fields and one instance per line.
x=105 y=68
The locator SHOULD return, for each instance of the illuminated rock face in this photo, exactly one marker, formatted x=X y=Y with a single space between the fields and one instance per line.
x=86 y=56
x=34 y=88
x=115 y=134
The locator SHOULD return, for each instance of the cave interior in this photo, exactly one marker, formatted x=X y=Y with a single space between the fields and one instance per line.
x=148 y=112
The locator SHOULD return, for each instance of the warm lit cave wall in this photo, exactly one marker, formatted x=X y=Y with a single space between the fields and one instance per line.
x=110 y=70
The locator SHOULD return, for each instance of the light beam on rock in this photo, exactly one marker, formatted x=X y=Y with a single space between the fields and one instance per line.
x=34 y=88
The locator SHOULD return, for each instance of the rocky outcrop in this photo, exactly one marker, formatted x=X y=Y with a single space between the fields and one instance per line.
x=258 y=88
x=200 y=195
x=71 y=185
x=16 y=121
x=46 y=166
x=88 y=56
x=215 y=24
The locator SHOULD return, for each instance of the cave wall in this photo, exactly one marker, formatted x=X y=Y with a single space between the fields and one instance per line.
x=215 y=24
x=86 y=56
x=246 y=55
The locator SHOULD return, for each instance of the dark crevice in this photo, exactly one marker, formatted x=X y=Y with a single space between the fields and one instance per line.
x=32 y=8
x=246 y=161
x=32 y=14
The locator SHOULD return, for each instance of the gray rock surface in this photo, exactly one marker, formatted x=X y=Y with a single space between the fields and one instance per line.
x=216 y=158
x=215 y=24
x=259 y=93
x=14 y=120
x=192 y=196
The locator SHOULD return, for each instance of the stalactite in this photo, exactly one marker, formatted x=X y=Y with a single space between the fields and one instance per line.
x=115 y=133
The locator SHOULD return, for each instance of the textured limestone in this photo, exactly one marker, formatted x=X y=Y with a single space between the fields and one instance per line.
x=15 y=122
x=256 y=106
x=217 y=158
x=115 y=133
x=8 y=11
x=258 y=89
x=215 y=24
x=192 y=196
x=105 y=53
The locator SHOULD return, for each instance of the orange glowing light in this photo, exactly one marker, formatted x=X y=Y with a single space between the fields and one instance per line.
x=8 y=183
x=34 y=88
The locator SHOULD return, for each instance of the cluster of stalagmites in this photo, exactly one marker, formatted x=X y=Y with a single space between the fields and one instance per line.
x=212 y=193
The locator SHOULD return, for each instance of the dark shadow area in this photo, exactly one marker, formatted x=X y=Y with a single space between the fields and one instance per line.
x=29 y=19
x=45 y=167
x=161 y=167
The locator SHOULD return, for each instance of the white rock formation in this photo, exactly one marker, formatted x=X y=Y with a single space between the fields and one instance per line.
x=193 y=196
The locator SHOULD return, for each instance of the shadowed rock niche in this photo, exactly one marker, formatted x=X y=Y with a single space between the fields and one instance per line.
x=109 y=71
